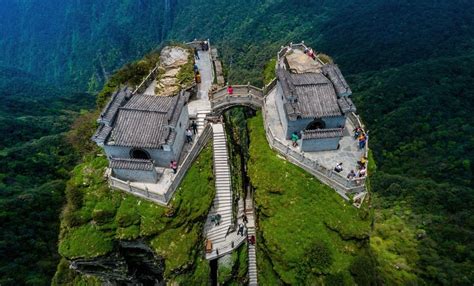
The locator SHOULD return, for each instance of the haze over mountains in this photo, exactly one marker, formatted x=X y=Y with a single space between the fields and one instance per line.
x=410 y=65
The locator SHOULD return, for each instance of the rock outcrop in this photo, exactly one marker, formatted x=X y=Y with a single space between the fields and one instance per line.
x=133 y=262
x=172 y=59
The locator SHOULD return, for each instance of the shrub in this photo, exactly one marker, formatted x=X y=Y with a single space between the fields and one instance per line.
x=103 y=212
x=319 y=257
x=363 y=269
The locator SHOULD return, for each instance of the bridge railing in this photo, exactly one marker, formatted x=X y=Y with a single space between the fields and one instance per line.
x=242 y=94
x=227 y=248
x=342 y=185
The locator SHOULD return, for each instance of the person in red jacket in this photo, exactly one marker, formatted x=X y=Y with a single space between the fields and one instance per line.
x=230 y=90
x=174 y=166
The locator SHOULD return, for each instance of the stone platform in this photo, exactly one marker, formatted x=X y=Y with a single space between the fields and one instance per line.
x=348 y=152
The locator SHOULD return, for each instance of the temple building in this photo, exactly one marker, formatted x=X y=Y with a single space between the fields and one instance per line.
x=312 y=100
x=141 y=133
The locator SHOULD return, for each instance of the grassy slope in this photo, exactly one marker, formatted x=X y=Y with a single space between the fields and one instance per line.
x=295 y=211
x=105 y=216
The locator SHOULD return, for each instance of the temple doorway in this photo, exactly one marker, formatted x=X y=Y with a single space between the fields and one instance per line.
x=316 y=124
x=139 y=154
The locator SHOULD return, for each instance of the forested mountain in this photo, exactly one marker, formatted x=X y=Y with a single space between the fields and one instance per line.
x=410 y=64
x=35 y=160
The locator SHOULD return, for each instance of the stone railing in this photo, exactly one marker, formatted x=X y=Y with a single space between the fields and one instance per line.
x=247 y=95
x=300 y=46
x=267 y=88
x=146 y=81
x=178 y=177
x=342 y=185
x=284 y=50
x=188 y=160
x=136 y=191
x=197 y=44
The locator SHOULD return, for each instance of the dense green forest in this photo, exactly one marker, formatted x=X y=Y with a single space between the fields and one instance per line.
x=410 y=64
x=35 y=160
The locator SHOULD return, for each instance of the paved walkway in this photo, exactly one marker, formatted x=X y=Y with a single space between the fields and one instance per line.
x=202 y=105
x=150 y=90
x=348 y=153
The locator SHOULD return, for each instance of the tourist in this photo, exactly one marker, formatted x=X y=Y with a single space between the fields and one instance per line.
x=357 y=132
x=252 y=239
x=244 y=218
x=196 y=54
x=174 y=166
x=241 y=230
x=351 y=175
x=311 y=54
x=194 y=126
x=294 y=139
x=196 y=68
x=361 y=141
x=362 y=172
x=230 y=90
x=218 y=219
x=189 y=136
x=204 y=46
x=197 y=77
x=338 y=168
x=362 y=162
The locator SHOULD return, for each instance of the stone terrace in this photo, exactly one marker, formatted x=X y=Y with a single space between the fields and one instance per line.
x=348 y=153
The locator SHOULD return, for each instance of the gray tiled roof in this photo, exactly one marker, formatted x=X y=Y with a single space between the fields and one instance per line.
x=322 y=133
x=110 y=111
x=102 y=133
x=147 y=121
x=151 y=103
x=333 y=72
x=309 y=95
x=131 y=164
x=139 y=128
x=346 y=105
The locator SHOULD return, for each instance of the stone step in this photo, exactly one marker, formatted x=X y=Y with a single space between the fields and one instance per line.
x=224 y=187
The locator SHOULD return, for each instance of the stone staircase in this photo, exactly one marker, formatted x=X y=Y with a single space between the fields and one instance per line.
x=222 y=204
x=201 y=119
x=252 y=270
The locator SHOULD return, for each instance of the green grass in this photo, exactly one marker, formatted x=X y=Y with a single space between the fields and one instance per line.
x=224 y=272
x=296 y=210
x=269 y=71
x=178 y=247
x=95 y=216
x=396 y=245
x=85 y=241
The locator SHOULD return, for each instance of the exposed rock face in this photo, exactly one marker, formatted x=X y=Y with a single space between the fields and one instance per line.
x=133 y=263
x=173 y=57
x=171 y=61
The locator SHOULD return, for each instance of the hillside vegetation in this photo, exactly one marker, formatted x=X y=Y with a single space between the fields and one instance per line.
x=308 y=232
x=408 y=62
